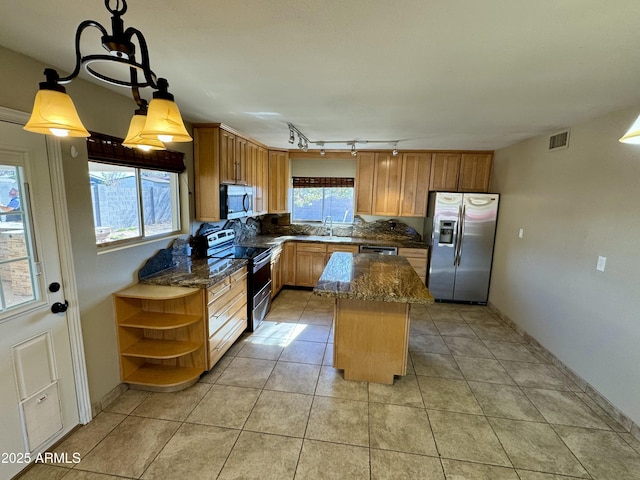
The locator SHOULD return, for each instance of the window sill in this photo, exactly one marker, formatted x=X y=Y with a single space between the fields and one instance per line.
x=126 y=244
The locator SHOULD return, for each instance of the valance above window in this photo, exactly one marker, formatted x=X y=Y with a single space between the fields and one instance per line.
x=322 y=182
x=107 y=149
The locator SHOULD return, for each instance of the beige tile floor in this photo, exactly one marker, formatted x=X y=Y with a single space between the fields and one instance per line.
x=477 y=403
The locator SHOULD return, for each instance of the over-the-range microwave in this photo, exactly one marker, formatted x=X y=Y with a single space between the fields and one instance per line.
x=236 y=201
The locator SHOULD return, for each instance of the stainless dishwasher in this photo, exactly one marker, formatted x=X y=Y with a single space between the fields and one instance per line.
x=378 y=249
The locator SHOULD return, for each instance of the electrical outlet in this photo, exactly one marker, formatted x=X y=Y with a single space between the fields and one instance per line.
x=602 y=262
x=521 y=233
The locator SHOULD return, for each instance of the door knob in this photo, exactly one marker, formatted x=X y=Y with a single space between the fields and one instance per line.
x=60 y=307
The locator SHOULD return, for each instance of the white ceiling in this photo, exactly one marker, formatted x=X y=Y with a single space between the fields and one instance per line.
x=434 y=74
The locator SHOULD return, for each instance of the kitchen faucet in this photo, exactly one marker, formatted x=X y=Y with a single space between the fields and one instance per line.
x=330 y=229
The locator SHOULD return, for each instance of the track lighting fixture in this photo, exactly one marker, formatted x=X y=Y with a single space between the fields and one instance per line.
x=54 y=112
x=303 y=142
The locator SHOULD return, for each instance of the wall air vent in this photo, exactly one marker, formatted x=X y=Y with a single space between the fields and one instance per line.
x=559 y=141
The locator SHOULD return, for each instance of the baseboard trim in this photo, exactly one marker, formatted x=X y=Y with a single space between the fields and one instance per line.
x=615 y=413
x=104 y=402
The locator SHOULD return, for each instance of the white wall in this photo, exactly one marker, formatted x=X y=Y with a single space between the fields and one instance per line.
x=575 y=205
x=98 y=275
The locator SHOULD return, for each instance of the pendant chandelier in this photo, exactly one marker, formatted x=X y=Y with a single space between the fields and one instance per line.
x=152 y=124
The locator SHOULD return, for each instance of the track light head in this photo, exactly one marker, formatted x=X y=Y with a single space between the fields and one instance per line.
x=353 y=149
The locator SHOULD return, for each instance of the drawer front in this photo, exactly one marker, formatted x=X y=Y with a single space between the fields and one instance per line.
x=216 y=291
x=219 y=345
x=413 y=252
x=419 y=265
x=239 y=276
x=218 y=340
x=220 y=311
x=342 y=248
x=311 y=247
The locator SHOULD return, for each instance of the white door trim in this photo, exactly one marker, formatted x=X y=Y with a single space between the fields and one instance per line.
x=54 y=154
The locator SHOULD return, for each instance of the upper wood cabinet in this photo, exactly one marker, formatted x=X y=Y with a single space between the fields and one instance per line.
x=445 y=170
x=392 y=185
x=258 y=176
x=386 y=188
x=461 y=172
x=416 y=171
x=365 y=166
x=240 y=161
x=475 y=172
x=207 y=173
x=279 y=179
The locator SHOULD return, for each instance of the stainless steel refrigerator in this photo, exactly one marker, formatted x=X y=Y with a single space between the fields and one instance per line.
x=460 y=229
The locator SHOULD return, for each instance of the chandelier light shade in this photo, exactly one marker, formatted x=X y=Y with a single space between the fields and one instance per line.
x=633 y=134
x=54 y=112
x=134 y=140
x=164 y=121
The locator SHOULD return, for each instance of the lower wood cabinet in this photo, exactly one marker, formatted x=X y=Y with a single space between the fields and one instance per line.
x=418 y=259
x=276 y=270
x=310 y=262
x=340 y=248
x=289 y=263
x=226 y=314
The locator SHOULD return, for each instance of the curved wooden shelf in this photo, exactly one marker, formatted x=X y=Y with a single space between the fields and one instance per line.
x=160 y=320
x=160 y=349
x=156 y=292
x=163 y=377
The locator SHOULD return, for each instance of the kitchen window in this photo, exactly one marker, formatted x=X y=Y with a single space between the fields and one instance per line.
x=315 y=198
x=135 y=195
x=132 y=203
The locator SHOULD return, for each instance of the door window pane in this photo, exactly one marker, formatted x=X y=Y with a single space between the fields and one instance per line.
x=17 y=279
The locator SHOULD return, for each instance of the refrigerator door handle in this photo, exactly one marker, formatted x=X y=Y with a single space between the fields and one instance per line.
x=462 y=225
x=456 y=248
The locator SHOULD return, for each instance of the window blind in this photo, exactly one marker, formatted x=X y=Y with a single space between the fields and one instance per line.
x=107 y=149
x=322 y=182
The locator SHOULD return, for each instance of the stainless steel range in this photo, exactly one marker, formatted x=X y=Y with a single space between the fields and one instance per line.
x=218 y=246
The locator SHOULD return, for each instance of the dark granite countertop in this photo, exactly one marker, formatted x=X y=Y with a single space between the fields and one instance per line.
x=273 y=240
x=364 y=276
x=193 y=272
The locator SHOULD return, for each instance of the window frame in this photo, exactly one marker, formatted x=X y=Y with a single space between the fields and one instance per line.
x=176 y=211
x=303 y=183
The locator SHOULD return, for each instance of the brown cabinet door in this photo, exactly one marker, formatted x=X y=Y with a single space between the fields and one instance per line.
x=241 y=162
x=278 y=181
x=309 y=268
x=445 y=170
x=475 y=172
x=289 y=263
x=227 y=157
x=365 y=165
x=416 y=170
x=386 y=189
x=207 y=179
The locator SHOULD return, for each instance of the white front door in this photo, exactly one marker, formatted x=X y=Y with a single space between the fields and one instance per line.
x=38 y=402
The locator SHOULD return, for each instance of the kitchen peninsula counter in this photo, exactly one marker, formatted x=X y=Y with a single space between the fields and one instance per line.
x=373 y=296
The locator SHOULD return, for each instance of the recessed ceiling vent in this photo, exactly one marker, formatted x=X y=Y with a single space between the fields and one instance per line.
x=559 y=141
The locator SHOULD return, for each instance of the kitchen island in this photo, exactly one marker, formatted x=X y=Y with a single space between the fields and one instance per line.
x=373 y=296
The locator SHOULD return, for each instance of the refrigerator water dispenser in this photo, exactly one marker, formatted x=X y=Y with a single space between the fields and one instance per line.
x=446 y=232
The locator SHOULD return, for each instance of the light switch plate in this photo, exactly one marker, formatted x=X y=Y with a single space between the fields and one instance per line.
x=602 y=262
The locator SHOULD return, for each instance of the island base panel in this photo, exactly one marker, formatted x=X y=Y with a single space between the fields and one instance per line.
x=371 y=340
